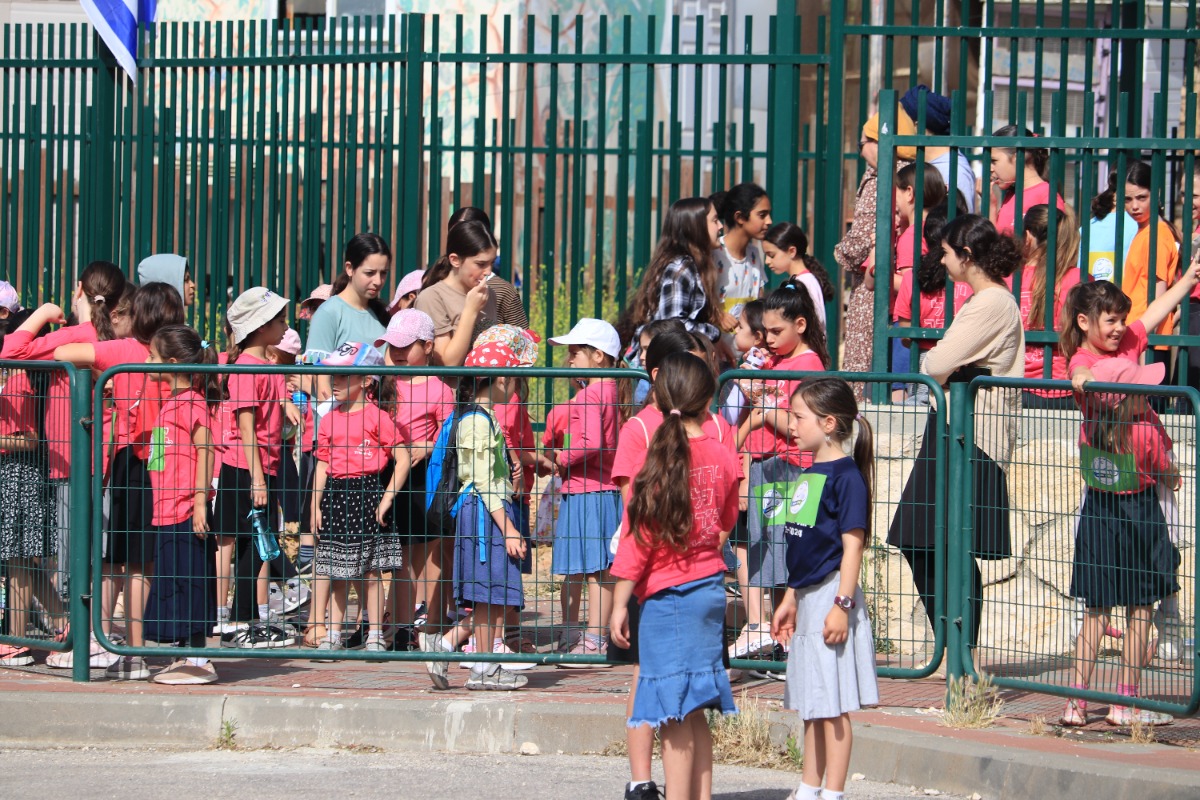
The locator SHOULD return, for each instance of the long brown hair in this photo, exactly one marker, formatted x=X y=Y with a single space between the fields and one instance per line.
x=465 y=240
x=684 y=236
x=1066 y=256
x=360 y=246
x=833 y=397
x=1091 y=299
x=660 y=510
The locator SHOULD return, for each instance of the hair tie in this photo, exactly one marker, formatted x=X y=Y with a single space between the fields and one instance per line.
x=859 y=417
x=98 y=299
x=789 y=285
x=675 y=412
x=204 y=344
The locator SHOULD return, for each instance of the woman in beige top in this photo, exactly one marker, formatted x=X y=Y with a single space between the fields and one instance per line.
x=985 y=338
x=454 y=292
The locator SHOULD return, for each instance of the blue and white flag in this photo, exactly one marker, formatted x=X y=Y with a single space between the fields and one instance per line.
x=117 y=22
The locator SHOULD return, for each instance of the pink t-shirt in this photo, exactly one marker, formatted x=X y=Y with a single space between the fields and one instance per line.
x=422 y=408
x=634 y=440
x=21 y=345
x=556 y=424
x=173 y=456
x=18 y=407
x=714 y=489
x=765 y=442
x=357 y=443
x=933 y=306
x=1033 y=196
x=136 y=398
x=590 y=439
x=264 y=395
x=904 y=249
x=513 y=418
x=1035 y=354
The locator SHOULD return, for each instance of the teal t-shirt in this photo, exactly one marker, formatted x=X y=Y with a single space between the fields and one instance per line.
x=1101 y=257
x=337 y=322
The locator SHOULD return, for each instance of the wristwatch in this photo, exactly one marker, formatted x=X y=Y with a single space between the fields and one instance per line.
x=842 y=601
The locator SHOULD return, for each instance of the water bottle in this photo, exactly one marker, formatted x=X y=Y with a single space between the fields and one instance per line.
x=300 y=400
x=264 y=537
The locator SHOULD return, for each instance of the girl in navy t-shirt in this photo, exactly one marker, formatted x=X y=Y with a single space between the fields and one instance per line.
x=826 y=513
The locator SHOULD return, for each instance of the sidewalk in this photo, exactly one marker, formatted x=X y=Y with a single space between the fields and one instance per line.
x=391 y=705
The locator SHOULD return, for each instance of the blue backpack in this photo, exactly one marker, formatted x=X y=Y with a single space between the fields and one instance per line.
x=442 y=485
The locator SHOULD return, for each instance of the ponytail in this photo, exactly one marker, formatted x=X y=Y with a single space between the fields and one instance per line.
x=660 y=510
x=102 y=284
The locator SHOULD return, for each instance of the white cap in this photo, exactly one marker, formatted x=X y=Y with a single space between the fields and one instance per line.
x=594 y=333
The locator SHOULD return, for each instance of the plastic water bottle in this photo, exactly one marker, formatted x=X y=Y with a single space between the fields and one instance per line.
x=300 y=400
x=264 y=538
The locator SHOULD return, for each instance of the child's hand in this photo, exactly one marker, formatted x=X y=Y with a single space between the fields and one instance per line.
x=477 y=297
x=728 y=322
x=51 y=314
x=200 y=520
x=744 y=494
x=518 y=477
x=783 y=623
x=757 y=418
x=1081 y=377
x=545 y=466
x=618 y=627
x=258 y=495
x=385 y=505
x=837 y=626
x=514 y=544
x=316 y=518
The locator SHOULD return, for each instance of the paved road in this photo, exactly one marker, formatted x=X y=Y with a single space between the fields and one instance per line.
x=146 y=774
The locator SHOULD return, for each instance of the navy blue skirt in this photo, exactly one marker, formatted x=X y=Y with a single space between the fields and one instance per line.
x=681 y=647
x=483 y=570
x=183 y=592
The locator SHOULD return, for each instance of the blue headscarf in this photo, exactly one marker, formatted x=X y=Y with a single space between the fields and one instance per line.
x=937 y=109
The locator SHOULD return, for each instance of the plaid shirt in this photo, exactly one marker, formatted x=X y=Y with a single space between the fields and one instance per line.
x=681 y=297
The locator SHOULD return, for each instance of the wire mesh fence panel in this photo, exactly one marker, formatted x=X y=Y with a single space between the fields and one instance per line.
x=35 y=503
x=1095 y=595
x=905 y=536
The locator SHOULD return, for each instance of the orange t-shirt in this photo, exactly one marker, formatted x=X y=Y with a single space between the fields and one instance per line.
x=1136 y=276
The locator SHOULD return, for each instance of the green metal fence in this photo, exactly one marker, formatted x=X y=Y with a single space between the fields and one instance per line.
x=1033 y=603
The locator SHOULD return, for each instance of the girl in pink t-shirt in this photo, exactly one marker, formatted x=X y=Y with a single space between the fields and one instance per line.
x=180 y=607
x=1034 y=281
x=350 y=508
x=136 y=401
x=684 y=504
x=1034 y=188
x=423 y=404
x=95 y=304
x=797 y=342
x=254 y=403
x=591 y=503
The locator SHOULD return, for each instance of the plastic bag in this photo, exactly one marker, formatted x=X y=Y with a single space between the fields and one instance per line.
x=547 y=511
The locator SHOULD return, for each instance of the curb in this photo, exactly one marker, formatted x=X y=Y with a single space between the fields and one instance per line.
x=510 y=725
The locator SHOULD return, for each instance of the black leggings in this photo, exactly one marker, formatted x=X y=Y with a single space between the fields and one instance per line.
x=921 y=562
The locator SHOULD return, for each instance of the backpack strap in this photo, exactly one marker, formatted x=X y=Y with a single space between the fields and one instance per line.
x=645 y=430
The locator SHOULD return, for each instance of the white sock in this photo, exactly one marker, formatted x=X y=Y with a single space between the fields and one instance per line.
x=334 y=635
x=377 y=636
x=829 y=794
x=223 y=613
x=806 y=792
x=197 y=662
x=635 y=784
x=264 y=611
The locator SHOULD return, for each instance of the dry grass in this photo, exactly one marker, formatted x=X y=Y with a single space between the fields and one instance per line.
x=742 y=739
x=972 y=704
x=1037 y=726
x=1141 y=733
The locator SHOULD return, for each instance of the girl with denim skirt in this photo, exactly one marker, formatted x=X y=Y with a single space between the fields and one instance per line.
x=181 y=602
x=591 y=502
x=683 y=504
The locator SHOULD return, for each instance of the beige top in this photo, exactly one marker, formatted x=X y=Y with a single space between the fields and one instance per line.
x=987 y=333
x=444 y=303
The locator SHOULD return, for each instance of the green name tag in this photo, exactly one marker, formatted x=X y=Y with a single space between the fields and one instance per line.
x=1108 y=472
x=790 y=502
x=158 y=450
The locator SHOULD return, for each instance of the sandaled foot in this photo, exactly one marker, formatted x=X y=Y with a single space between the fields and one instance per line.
x=1075 y=714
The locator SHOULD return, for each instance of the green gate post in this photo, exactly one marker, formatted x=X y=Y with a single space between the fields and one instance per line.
x=102 y=199
x=1133 y=16
x=781 y=161
x=829 y=230
x=953 y=585
x=882 y=345
x=413 y=157
x=79 y=492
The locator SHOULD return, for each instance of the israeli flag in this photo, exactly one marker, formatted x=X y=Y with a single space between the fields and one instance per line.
x=117 y=22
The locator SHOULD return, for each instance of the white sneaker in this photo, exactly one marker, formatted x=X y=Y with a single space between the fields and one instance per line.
x=99 y=658
x=516 y=666
x=225 y=626
x=1169 y=650
x=751 y=643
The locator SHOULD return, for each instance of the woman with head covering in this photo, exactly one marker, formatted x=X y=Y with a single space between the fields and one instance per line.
x=937 y=123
